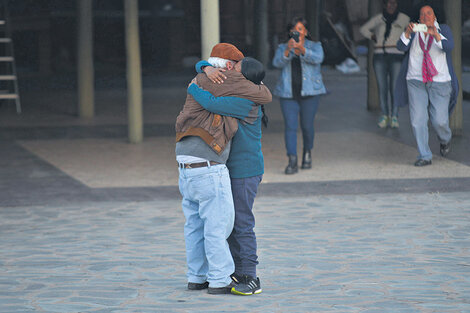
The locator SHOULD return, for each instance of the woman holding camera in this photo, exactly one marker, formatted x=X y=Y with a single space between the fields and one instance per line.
x=385 y=29
x=299 y=88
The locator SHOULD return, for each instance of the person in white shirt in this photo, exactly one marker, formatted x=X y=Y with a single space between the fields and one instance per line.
x=427 y=82
x=385 y=29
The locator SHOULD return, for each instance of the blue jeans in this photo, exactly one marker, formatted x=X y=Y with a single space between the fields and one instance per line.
x=387 y=67
x=429 y=100
x=242 y=241
x=209 y=212
x=291 y=109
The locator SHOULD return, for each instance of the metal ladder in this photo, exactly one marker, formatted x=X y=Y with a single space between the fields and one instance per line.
x=8 y=78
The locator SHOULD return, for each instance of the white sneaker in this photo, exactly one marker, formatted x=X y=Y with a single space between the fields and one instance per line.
x=383 y=121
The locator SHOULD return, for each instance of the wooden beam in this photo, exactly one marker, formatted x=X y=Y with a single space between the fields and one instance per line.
x=210 y=26
x=261 y=31
x=134 y=76
x=375 y=7
x=86 y=105
x=453 y=11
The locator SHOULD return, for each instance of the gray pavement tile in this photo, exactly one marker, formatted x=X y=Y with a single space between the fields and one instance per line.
x=18 y=308
x=69 y=307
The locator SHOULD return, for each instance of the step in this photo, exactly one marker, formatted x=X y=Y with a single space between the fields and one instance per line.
x=9 y=96
x=6 y=59
x=7 y=77
x=5 y=40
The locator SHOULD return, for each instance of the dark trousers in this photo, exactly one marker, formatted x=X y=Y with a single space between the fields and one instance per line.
x=291 y=109
x=242 y=241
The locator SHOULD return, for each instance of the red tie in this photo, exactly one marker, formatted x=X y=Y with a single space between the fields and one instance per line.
x=428 y=67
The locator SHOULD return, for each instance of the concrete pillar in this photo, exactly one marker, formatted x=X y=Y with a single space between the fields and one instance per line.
x=210 y=26
x=312 y=14
x=375 y=7
x=134 y=77
x=261 y=31
x=86 y=101
x=453 y=11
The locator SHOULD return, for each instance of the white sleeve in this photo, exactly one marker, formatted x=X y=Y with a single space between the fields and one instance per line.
x=405 y=40
x=439 y=44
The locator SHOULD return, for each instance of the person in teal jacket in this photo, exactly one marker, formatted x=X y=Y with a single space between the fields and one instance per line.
x=246 y=158
x=246 y=168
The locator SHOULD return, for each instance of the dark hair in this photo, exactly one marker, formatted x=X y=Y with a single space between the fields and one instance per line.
x=436 y=6
x=253 y=70
x=294 y=22
x=385 y=2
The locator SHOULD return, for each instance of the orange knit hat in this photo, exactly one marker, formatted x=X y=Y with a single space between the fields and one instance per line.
x=226 y=51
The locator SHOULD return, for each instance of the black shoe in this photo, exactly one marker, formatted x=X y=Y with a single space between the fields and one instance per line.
x=196 y=286
x=422 y=162
x=221 y=290
x=292 y=166
x=445 y=148
x=236 y=278
x=249 y=286
x=306 y=159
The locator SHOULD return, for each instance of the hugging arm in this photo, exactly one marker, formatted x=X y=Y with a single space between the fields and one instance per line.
x=200 y=65
x=216 y=75
x=257 y=93
x=229 y=106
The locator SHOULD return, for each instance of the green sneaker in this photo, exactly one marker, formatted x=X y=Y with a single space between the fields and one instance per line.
x=383 y=121
x=394 y=122
x=248 y=286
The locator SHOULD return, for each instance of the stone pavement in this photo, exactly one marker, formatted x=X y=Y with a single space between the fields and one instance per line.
x=360 y=253
x=90 y=223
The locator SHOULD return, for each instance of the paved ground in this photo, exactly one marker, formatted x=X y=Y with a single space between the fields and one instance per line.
x=361 y=253
x=90 y=223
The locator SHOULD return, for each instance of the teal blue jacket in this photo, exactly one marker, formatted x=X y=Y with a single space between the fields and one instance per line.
x=246 y=158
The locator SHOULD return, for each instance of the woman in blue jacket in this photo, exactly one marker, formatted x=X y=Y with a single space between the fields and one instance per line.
x=299 y=87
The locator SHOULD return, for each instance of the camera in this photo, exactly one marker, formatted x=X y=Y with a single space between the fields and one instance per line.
x=294 y=35
x=420 y=28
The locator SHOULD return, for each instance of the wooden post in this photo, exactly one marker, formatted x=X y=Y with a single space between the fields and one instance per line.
x=86 y=105
x=261 y=31
x=210 y=26
x=453 y=11
x=373 y=102
x=134 y=77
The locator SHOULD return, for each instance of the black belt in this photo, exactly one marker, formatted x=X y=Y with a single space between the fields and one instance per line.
x=196 y=165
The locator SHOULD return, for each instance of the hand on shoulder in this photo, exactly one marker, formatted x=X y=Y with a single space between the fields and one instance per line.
x=215 y=74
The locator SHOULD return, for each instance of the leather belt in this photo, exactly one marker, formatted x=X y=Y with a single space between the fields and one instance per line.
x=196 y=165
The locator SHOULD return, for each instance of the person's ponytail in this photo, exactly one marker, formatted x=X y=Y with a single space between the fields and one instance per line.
x=264 y=119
